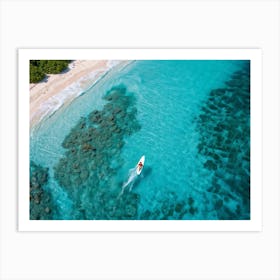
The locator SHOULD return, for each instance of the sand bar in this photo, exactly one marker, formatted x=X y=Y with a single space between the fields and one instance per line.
x=57 y=89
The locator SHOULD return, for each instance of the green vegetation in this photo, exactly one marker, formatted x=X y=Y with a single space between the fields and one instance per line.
x=39 y=68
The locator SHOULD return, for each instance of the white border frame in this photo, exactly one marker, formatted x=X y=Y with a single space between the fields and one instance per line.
x=254 y=224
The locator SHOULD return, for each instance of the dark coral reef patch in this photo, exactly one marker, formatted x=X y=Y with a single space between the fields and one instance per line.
x=93 y=157
x=224 y=128
x=41 y=206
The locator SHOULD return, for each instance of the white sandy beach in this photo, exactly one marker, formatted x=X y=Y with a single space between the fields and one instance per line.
x=47 y=96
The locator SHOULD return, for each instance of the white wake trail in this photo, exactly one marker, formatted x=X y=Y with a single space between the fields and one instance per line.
x=132 y=175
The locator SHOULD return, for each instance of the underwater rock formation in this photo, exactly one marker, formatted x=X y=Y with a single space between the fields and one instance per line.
x=172 y=208
x=224 y=128
x=40 y=199
x=92 y=158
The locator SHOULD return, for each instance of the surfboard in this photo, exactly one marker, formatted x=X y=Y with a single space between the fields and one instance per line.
x=140 y=168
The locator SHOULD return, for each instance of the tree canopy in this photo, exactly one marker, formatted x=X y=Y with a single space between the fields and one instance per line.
x=39 y=68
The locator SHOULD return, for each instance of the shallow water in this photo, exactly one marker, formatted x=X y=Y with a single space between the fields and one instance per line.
x=196 y=141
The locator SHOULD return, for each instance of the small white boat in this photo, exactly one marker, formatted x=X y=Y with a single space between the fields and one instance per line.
x=140 y=165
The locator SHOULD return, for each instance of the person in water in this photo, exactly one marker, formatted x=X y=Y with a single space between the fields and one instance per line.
x=140 y=165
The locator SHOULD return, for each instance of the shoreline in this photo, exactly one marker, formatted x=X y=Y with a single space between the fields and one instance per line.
x=47 y=96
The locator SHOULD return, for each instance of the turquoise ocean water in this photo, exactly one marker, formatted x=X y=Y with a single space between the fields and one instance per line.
x=190 y=118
